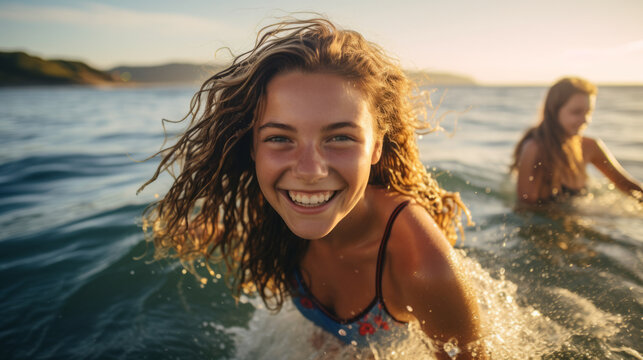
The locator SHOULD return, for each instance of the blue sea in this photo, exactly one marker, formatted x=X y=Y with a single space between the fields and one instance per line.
x=78 y=281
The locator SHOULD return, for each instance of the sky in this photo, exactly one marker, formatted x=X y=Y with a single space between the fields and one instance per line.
x=493 y=41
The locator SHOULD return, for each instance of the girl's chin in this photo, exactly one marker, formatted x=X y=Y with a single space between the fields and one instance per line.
x=309 y=234
x=311 y=229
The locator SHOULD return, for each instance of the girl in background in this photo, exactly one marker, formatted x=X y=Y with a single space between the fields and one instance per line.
x=299 y=169
x=551 y=158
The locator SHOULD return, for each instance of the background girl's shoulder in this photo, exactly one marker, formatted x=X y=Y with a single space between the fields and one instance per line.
x=530 y=147
x=590 y=141
x=591 y=147
x=530 y=153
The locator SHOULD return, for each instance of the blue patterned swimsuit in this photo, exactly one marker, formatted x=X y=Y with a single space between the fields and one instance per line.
x=373 y=325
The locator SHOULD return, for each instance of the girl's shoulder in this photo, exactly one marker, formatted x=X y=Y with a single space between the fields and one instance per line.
x=422 y=270
x=531 y=146
x=415 y=238
x=589 y=141
x=417 y=245
x=530 y=153
x=591 y=147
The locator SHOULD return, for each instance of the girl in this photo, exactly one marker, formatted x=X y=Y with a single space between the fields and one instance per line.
x=551 y=158
x=303 y=174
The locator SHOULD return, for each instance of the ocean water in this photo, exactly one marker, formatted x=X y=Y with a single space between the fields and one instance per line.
x=77 y=280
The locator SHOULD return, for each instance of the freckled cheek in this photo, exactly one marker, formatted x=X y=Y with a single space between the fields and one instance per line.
x=269 y=164
x=351 y=161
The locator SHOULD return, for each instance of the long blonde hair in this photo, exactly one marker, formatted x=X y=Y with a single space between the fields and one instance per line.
x=561 y=156
x=215 y=209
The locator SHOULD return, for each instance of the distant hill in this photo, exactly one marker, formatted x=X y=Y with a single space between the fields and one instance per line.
x=438 y=79
x=19 y=68
x=197 y=73
x=168 y=73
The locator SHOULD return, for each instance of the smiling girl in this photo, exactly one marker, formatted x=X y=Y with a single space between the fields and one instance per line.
x=302 y=174
x=551 y=158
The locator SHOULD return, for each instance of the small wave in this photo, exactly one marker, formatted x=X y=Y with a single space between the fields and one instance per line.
x=47 y=168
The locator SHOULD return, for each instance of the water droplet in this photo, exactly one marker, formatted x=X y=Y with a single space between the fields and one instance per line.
x=409 y=308
x=342 y=332
x=451 y=348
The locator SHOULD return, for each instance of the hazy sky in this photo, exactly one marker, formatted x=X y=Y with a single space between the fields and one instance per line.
x=494 y=41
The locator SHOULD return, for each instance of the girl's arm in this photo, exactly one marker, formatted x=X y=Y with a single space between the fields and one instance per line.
x=428 y=285
x=599 y=155
x=529 y=182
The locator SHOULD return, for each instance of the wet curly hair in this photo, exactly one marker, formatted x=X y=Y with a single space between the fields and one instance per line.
x=215 y=210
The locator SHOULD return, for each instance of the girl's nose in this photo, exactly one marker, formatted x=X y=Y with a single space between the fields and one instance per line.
x=311 y=165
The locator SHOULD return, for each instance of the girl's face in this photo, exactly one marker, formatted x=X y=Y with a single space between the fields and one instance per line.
x=313 y=149
x=576 y=113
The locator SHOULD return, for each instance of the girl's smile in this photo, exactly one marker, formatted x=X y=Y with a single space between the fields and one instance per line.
x=313 y=147
x=310 y=199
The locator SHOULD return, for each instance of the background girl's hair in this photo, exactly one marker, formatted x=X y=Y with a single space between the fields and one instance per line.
x=559 y=157
x=215 y=209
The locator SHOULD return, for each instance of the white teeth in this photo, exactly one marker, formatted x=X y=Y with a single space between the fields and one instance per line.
x=310 y=200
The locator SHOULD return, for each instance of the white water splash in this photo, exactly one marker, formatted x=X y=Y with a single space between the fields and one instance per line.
x=510 y=331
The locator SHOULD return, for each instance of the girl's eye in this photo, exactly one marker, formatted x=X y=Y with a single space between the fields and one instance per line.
x=340 y=138
x=276 y=139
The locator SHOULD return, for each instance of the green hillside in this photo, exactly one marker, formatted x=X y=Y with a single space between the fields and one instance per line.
x=19 y=68
x=426 y=78
x=197 y=73
x=166 y=73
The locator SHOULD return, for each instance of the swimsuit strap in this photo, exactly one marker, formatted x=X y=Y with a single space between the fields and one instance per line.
x=382 y=252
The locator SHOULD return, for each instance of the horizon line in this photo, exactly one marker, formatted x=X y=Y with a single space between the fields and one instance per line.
x=476 y=82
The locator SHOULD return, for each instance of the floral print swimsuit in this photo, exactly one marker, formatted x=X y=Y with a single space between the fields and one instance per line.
x=372 y=324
